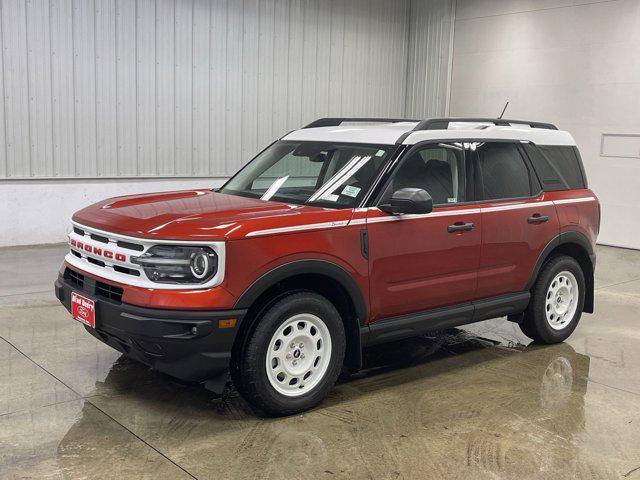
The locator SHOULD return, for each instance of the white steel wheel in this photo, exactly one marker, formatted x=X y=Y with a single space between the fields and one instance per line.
x=561 y=301
x=299 y=354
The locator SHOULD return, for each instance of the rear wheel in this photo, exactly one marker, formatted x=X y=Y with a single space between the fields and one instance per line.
x=293 y=356
x=556 y=302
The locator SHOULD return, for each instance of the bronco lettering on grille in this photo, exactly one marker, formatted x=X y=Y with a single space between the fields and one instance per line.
x=98 y=251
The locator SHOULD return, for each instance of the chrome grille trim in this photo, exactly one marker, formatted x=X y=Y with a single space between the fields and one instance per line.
x=122 y=257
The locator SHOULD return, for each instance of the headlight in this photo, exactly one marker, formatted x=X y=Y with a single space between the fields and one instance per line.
x=178 y=264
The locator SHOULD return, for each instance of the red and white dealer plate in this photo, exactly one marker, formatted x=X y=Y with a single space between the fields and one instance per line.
x=83 y=309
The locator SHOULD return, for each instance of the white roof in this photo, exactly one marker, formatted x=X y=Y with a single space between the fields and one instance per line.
x=389 y=133
x=384 y=133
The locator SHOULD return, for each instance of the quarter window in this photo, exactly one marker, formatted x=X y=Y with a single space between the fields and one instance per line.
x=557 y=166
x=504 y=171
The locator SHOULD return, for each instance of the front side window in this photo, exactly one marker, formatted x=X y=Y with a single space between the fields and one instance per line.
x=335 y=175
x=438 y=169
x=504 y=172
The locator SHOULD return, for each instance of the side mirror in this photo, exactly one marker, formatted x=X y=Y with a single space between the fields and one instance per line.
x=409 y=200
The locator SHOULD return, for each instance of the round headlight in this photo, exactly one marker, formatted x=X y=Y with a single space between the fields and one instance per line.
x=178 y=264
x=200 y=264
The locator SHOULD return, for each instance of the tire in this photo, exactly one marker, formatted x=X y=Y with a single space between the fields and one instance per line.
x=555 y=307
x=281 y=369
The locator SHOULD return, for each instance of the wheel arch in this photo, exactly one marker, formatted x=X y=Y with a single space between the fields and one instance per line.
x=321 y=276
x=578 y=246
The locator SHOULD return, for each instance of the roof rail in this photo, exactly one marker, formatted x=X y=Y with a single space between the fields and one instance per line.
x=443 y=123
x=334 y=122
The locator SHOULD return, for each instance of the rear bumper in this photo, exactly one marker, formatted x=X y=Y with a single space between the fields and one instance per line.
x=188 y=345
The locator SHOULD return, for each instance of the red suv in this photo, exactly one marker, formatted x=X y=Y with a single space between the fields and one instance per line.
x=337 y=237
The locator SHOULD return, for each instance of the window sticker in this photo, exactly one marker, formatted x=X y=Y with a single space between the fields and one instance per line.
x=351 y=191
x=275 y=186
x=330 y=197
x=379 y=153
x=452 y=200
x=343 y=175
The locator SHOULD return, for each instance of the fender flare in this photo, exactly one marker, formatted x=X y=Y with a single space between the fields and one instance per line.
x=577 y=238
x=301 y=267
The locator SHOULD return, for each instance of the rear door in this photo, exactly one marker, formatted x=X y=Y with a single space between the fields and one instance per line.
x=517 y=220
x=419 y=262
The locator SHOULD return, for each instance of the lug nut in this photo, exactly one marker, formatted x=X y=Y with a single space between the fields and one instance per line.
x=288 y=356
x=302 y=355
x=295 y=362
x=302 y=345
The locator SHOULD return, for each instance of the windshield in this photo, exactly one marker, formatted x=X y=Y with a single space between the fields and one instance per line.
x=335 y=175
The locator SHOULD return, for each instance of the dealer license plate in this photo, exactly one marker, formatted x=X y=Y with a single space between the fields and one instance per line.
x=83 y=309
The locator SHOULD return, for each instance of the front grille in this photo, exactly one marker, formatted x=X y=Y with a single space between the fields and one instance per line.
x=130 y=246
x=109 y=291
x=93 y=287
x=106 y=251
x=100 y=263
x=99 y=238
x=128 y=271
x=74 y=278
x=111 y=256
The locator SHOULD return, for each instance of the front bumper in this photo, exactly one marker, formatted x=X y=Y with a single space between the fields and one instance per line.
x=189 y=345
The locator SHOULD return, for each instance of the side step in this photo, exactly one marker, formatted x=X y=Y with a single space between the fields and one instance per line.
x=419 y=323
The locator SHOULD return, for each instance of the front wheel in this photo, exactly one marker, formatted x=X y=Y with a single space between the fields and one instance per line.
x=293 y=356
x=557 y=300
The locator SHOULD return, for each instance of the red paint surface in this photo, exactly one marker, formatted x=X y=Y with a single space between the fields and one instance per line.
x=414 y=264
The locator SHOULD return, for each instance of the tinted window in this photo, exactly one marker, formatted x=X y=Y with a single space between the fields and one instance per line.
x=558 y=167
x=438 y=169
x=504 y=172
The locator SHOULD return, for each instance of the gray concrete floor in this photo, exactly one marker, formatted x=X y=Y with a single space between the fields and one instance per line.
x=478 y=402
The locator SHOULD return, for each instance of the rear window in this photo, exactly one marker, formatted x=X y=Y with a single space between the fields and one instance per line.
x=558 y=167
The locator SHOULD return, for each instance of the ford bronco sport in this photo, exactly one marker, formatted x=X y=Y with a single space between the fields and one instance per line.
x=344 y=234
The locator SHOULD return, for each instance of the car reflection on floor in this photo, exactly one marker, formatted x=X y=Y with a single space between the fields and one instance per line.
x=451 y=405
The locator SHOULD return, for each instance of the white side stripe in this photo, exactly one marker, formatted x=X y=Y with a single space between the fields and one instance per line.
x=414 y=216
x=516 y=206
x=468 y=211
x=575 y=200
x=393 y=218
x=358 y=221
x=299 y=228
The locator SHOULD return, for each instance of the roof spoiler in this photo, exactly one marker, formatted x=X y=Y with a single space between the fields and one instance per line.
x=334 y=122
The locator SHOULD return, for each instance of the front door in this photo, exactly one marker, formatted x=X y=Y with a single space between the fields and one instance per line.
x=422 y=262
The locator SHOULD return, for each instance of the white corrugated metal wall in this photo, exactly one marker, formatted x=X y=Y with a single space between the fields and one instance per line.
x=112 y=97
x=429 y=58
x=119 y=88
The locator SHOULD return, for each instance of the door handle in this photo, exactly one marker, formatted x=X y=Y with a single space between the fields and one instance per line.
x=460 y=227
x=537 y=218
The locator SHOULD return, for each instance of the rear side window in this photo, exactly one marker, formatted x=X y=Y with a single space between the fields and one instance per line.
x=504 y=171
x=558 y=167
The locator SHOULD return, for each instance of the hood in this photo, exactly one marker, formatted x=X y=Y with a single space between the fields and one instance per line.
x=197 y=215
